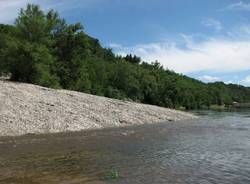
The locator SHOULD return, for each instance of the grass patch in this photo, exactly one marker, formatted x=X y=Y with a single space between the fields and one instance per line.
x=217 y=107
x=110 y=175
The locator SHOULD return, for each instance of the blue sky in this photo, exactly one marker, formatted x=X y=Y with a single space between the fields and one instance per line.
x=205 y=39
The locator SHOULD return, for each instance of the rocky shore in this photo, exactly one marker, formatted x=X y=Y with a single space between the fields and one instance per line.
x=26 y=108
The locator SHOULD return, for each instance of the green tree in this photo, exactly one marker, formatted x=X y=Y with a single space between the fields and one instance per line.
x=41 y=48
x=29 y=54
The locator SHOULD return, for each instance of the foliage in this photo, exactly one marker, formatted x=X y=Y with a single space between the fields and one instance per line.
x=41 y=48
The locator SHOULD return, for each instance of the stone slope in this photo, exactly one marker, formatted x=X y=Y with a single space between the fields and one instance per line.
x=26 y=108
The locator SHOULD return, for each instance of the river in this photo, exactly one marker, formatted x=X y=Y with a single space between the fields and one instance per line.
x=212 y=149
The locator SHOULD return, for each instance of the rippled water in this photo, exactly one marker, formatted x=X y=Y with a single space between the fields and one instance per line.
x=212 y=149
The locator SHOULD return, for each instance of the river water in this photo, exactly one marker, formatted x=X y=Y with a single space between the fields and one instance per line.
x=212 y=149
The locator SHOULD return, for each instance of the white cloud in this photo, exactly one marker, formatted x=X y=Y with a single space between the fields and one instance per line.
x=239 y=6
x=246 y=80
x=242 y=32
x=115 y=45
x=229 y=82
x=217 y=55
x=213 y=24
x=208 y=78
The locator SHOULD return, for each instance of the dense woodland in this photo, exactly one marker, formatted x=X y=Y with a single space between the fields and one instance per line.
x=41 y=48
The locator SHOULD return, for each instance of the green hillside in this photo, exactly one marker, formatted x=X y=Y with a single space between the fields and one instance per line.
x=42 y=48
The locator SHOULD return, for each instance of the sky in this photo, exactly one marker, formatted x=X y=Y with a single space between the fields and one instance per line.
x=205 y=39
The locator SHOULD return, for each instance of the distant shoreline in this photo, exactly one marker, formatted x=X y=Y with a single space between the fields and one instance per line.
x=31 y=109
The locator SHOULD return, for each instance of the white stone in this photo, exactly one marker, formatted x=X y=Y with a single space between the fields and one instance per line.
x=26 y=108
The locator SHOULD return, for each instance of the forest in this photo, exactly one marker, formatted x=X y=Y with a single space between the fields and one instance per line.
x=42 y=48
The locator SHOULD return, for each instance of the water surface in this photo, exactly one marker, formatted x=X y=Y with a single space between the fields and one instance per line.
x=212 y=149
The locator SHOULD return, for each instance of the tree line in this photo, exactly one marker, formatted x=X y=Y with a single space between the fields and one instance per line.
x=42 y=48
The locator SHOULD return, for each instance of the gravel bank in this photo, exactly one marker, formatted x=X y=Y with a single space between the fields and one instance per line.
x=26 y=108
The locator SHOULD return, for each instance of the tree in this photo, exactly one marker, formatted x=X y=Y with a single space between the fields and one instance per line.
x=29 y=55
x=41 y=48
x=132 y=59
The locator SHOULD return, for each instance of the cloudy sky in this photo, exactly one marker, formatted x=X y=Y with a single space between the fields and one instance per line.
x=205 y=39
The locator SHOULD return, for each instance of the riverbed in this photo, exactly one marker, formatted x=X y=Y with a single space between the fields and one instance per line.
x=214 y=148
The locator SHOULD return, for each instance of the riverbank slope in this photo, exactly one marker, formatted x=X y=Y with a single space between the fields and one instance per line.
x=26 y=108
